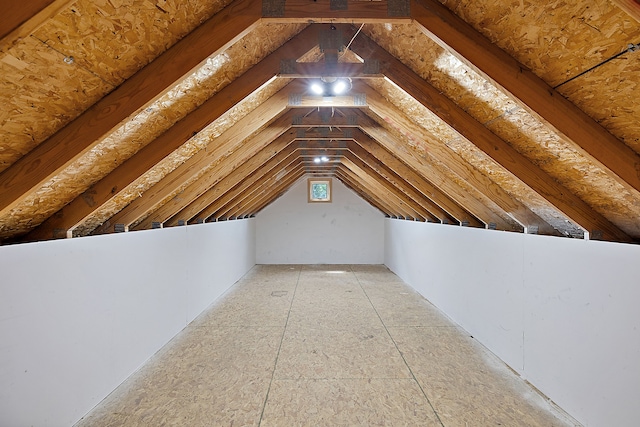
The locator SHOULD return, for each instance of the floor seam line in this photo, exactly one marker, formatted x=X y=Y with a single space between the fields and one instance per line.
x=399 y=352
x=275 y=364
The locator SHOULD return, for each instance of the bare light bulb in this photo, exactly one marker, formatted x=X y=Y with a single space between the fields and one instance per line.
x=317 y=88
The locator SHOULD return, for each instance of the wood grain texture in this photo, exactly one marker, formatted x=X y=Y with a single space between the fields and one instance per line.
x=17 y=14
x=204 y=160
x=501 y=152
x=296 y=11
x=100 y=193
x=358 y=154
x=425 y=168
x=415 y=179
x=594 y=141
x=24 y=176
x=239 y=183
x=632 y=7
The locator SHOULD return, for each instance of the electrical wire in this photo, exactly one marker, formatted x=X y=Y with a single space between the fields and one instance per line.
x=630 y=48
x=352 y=39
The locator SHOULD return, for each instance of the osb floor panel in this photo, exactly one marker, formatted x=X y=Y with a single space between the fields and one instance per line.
x=323 y=345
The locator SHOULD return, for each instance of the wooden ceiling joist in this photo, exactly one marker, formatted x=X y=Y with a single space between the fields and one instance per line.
x=540 y=99
x=495 y=147
x=215 y=35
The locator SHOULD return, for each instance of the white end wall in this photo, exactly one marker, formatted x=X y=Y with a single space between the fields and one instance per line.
x=78 y=316
x=561 y=312
x=346 y=231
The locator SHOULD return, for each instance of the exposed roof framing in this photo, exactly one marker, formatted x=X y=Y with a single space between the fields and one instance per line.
x=452 y=116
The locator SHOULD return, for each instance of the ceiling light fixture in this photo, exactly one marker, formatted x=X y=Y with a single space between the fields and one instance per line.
x=330 y=86
x=322 y=159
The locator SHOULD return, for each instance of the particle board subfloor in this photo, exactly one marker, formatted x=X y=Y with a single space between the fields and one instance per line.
x=324 y=346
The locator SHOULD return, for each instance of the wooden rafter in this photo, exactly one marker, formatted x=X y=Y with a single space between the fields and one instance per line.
x=20 y=18
x=501 y=152
x=392 y=203
x=403 y=205
x=426 y=169
x=540 y=99
x=267 y=189
x=436 y=213
x=632 y=7
x=413 y=178
x=75 y=212
x=239 y=183
x=365 y=195
x=26 y=175
x=226 y=143
x=236 y=163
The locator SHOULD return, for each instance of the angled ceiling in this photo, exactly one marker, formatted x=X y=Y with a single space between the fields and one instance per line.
x=128 y=115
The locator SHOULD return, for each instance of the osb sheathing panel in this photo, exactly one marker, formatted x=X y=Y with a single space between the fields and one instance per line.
x=611 y=95
x=145 y=125
x=560 y=160
x=108 y=41
x=39 y=94
x=505 y=118
x=115 y=38
x=195 y=144
x=475 y=157
x=422 y=149
x=557 y=39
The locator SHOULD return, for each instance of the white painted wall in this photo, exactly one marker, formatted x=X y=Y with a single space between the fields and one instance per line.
x=78 y=316
x=561 y=312
x=346 y=231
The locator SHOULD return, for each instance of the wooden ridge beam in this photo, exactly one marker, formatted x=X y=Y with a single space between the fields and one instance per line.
x=347 y=11
x=413 y=178
x=227 y=142
x=75 y=212
x=26 y=175
x=501 y=152
x=425 y=168
x=452 y=33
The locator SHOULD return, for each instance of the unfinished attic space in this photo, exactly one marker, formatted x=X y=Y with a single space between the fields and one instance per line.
x=477 y=161
x=488 y=114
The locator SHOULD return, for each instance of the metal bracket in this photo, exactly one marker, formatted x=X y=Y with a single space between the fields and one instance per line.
x=273 y=8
